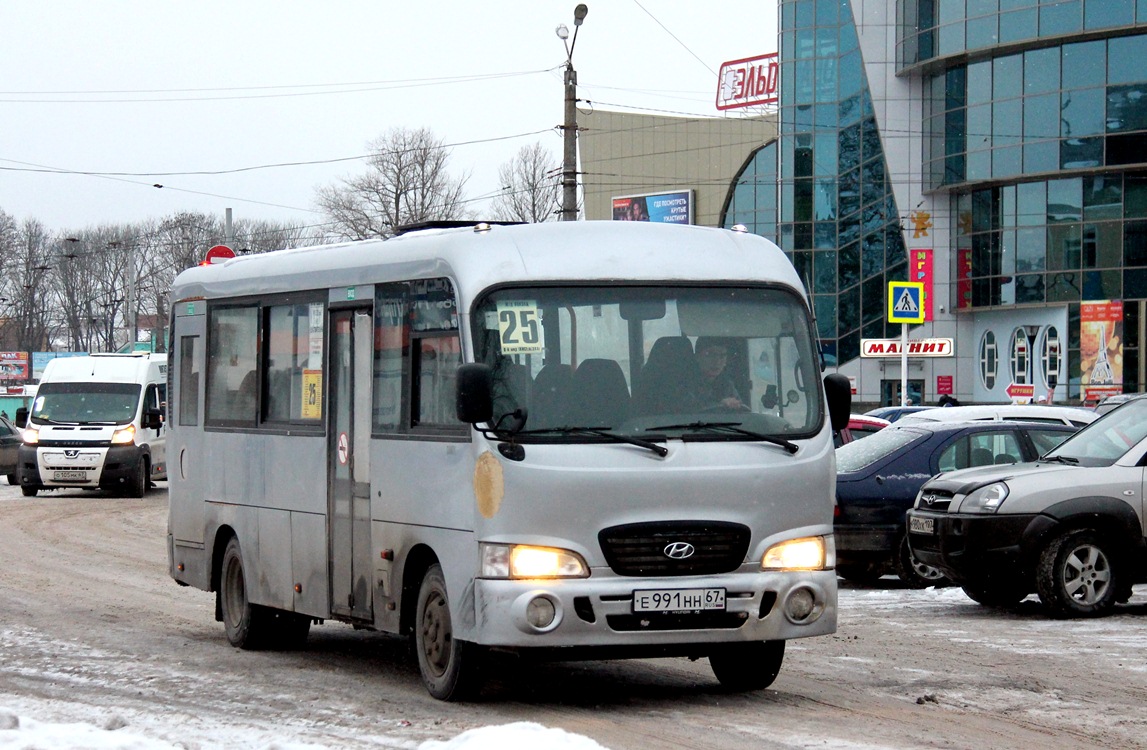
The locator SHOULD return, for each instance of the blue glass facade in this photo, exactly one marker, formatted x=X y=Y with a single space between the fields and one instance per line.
x=838 y=219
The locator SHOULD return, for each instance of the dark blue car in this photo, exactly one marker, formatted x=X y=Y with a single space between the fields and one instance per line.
x=877 y=480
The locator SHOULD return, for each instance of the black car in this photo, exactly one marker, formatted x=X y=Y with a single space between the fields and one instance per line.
x=10 y=439
x=878 y=478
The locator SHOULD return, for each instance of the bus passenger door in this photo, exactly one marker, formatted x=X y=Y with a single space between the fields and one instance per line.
x=348 y=451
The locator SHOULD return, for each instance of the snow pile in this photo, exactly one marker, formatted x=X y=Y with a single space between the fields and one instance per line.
x=19 y=733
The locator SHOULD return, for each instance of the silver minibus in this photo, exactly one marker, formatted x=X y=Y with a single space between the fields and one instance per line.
x=564 y=441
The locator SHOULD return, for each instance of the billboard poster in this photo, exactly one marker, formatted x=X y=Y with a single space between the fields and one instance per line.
x=664 y=208
x=1101 y=348
x=14 y=366
x=921 y=272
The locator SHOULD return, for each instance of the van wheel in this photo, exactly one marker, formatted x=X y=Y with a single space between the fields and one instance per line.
x=246 y=624
x=747 y=666
x=29 y=490
x=451 y=669
x=13 y=480
x=138 y=482
x=1078 y=575
x=915 y=573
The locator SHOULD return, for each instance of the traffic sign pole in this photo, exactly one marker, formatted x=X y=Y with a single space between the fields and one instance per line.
x=904 y=364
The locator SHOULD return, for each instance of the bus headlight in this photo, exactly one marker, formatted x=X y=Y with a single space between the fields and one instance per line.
x=124 y=435
x=524 y=561
x=807 y=553
x=31 y=435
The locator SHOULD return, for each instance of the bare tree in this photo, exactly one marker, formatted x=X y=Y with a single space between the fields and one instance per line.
x=408 y=182
x=531 y=190
x=29 y=287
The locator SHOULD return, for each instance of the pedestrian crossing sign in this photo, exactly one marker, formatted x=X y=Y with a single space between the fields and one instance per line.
x=905 y=302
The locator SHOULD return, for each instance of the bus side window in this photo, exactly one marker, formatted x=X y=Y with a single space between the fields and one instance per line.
x=436 y=368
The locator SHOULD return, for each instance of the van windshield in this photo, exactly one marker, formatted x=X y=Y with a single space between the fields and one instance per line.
x=80 y=403
x=699 y=363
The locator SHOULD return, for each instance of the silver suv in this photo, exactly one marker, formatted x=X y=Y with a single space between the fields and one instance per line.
x=1069 y=526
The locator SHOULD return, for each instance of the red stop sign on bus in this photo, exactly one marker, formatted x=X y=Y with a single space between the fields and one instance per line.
x=218 y=254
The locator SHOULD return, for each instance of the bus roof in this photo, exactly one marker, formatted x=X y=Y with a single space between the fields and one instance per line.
x=478 y=258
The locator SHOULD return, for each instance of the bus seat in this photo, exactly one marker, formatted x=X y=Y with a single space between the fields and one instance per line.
x=549 y=400
x=600 y=395
x=245 y=398
x=671 y=379
x=512 y=386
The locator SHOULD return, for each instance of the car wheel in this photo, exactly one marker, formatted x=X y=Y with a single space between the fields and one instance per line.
x=862 y=573
x=13 y=480
x=246 y=624
x=747 y=666
x=1005 y=594
x=1078 y=575
x=451 y=669
x=915 y=573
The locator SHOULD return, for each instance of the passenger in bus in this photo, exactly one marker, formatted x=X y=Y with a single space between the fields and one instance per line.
x=717 y=388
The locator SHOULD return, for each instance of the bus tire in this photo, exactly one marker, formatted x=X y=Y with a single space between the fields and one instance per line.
x=450 y=668
x=138 y=481
x=747 y=666
x=245 y=623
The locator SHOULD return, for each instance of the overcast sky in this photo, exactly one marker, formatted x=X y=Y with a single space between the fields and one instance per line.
x=157 y=89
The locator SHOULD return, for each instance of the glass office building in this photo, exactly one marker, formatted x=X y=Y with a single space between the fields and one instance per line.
x=1008 y=138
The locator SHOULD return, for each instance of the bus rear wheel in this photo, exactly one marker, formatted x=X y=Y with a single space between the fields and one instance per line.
x=450 y=668
x=246 y=624
x=748 y=666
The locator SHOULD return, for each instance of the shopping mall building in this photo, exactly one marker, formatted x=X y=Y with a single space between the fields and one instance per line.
x=994 y=151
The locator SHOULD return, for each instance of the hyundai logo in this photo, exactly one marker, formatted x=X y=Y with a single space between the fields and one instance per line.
x=929 y=499
x=678 y=550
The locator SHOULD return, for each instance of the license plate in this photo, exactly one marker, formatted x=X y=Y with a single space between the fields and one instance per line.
x=64 y=476
x=921 y=525
x=678 y=600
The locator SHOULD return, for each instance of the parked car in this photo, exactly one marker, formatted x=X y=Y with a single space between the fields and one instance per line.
x=1069 y=527
x=859 y=426
x=10 y=439
x=1069 y=415
x=893 y=413
x=1111 y=402
x=877 y=481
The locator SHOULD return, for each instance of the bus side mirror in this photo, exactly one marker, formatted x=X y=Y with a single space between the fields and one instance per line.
x=838 y=392
x=22 y=417
x=474 y=400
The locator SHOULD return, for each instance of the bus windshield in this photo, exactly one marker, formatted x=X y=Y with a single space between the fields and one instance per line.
x=702 y=363
x=85 y=403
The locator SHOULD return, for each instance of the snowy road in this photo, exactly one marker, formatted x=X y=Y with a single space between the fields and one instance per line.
x=94 y=631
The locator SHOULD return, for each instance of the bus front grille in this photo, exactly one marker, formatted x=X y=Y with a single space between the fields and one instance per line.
x=675 y=548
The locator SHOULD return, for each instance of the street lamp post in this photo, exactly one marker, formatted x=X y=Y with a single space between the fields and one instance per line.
x=569 y=128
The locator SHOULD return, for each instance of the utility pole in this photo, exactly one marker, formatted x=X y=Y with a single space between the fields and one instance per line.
x=569 y=128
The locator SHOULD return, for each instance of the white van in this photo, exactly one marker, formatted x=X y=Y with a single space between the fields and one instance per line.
x=96 y=422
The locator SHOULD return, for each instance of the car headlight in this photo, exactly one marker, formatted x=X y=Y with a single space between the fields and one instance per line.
x=31 y=435
x=806 y=553
x=123 y=435
x=525 y=561
x=987 y=499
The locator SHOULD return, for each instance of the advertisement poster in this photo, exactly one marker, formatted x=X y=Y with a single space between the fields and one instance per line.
x=921 y=271
x=664 y=208
x=1101 y=348
x=14 y=366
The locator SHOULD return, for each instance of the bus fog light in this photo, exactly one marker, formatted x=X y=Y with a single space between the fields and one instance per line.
x=540 y=612
x=536 y=612
x=802 y=606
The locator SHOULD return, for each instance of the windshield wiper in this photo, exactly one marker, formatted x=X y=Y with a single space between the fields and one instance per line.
x=730 y=428
x=604 y=432
x=1069 y=460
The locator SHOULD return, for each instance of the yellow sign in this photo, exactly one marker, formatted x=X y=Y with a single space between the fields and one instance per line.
x=312 y=394
x=905 y=302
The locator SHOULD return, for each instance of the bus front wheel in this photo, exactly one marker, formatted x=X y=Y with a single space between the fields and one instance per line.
x=747 y=666
x=450 y=668
x=244 y=622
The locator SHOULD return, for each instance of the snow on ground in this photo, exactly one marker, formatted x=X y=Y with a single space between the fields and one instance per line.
x=20 y=733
